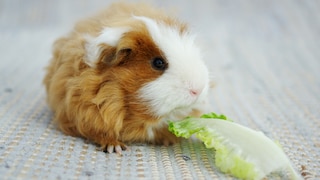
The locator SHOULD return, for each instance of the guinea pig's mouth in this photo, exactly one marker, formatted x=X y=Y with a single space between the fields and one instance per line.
x=181 y=110
x=186 y=107
x=177 y=114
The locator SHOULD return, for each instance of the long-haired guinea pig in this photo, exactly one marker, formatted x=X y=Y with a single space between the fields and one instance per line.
x=118 y=77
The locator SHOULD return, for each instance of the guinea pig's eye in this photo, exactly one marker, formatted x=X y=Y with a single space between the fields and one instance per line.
x=159 y=63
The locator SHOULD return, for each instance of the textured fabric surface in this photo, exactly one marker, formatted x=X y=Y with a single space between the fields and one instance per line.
x=264 y=56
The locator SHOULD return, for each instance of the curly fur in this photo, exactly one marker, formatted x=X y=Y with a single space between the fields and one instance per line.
x=94 y=87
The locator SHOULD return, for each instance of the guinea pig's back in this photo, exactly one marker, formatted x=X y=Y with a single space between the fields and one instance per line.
x=118 y=14
x=66 y=63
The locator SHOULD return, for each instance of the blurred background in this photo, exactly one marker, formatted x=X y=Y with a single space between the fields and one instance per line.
x=252 y=43
x=264 y=57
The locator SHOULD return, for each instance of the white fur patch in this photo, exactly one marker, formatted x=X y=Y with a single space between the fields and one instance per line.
x=151 y=129
x=109 y=36
x=150 y=133
x=170 y=93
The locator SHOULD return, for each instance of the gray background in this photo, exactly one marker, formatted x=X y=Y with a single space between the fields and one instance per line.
x=263 y=54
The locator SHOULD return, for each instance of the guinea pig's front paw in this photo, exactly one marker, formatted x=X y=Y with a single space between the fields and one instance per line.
x=169 y=142
x=166 y=138
x=112 y=147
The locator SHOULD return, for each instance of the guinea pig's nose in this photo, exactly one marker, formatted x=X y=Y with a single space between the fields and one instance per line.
x=195 y=92
x=195 y=89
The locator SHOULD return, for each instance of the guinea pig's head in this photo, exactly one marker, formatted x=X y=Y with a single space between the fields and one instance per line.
x=155 y=61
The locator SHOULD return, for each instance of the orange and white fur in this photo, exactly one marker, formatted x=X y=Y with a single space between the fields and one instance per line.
x=118 y=77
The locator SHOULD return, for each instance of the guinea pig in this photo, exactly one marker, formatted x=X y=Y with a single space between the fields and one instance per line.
x=118 y=77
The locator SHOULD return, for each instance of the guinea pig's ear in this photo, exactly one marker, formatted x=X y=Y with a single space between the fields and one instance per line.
x=104 y=46
x=112 y=57
x=121 y=56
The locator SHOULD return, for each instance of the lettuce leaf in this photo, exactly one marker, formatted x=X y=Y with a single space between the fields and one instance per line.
x=239 y=151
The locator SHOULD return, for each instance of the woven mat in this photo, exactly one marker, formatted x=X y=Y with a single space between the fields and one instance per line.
x=264 y=56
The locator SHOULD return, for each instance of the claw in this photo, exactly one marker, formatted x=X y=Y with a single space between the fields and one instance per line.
x=115 y=148
x=110 y=149
x=118 y=149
